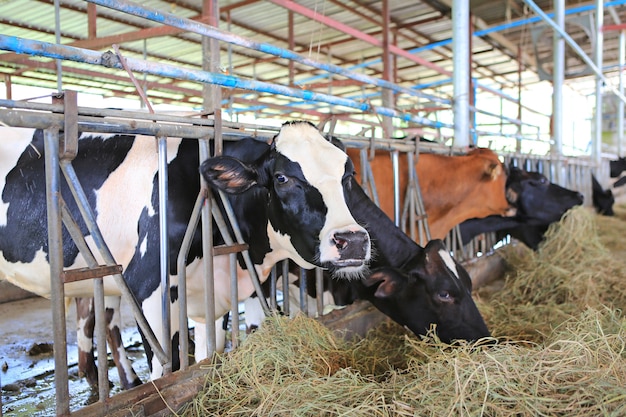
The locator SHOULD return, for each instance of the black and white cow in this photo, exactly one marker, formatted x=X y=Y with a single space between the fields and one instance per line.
x=417 y=287
x=289 y=201
x=539 y=203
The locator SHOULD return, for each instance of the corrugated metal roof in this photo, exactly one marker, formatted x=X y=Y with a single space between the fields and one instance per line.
x=414 y=26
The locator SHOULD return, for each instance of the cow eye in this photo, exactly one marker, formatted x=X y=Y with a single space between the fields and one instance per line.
x=281 y=178
x=445 y=297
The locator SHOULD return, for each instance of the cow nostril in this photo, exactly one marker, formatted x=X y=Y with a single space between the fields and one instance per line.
x=339 y=242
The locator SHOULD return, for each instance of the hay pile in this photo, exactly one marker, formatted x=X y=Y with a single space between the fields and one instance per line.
x=565 y=353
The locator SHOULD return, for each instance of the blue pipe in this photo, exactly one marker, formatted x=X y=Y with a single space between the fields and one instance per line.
x=216 y=33
x=108 y=59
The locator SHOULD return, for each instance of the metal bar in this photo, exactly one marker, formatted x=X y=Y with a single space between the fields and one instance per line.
x=98 y=297
x=620 y=107
x=286 y=306
x=92 y=226
x=596 y=148
x=218 y=34
x=273 y=288
x=207 y=250
x=37 y=48
x=558 y=78
x=164 y=247
x=55 y=253
x=572 y=43
x=460 y=51
x=395 y=166
x=181 y=269
x=304 y=299
x=246 y=254
x=234 y=300
x=319 y=290
x=90 y=273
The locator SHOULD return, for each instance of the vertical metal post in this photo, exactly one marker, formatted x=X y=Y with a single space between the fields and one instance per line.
x=286 y=307
x=164 y=248
x=319 y=290
x=304 y=300
x=396 y=186
x=234 y=300
x=460 y=78
x=57 y=39
x=211 y=99
x=620 y=103
x=597 y=142
x=558 y=78
x=55 y=247
x=387 y=94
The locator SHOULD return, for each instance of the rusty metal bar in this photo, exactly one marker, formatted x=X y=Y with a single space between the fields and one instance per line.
x=55 y=248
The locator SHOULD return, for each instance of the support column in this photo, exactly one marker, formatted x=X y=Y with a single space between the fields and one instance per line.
x=461 y=53
x=596 y=149
x=558 y=78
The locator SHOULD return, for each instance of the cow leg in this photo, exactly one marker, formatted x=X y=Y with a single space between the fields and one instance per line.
x=128 y=377
x=200 y=351
x=253 y=313
x=85 y=324
x=151 y=307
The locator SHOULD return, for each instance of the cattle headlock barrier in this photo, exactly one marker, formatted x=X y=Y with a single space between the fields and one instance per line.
x=70 y=119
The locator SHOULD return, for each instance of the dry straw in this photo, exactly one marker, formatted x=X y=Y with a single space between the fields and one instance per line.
x=561 y=350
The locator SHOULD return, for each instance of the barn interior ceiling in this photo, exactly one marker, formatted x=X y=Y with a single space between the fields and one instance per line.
x=511 y=46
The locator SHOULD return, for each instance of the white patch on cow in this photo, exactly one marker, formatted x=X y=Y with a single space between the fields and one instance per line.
x=323 y=165
x=13 y=142
x=126 y=193
x=447 y=259
x=143 y=247
x=84 y=342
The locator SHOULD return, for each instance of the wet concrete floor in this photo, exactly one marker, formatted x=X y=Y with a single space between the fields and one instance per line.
x=27 y=378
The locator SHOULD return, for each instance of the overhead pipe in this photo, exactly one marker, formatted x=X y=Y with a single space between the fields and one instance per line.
x=38 y=48
x=575 y=47
x=218 y=34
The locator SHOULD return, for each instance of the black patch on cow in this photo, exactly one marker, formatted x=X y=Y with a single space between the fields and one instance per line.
x=306 y=209
x=25 y=191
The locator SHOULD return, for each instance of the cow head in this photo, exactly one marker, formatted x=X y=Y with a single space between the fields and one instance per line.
x=301 y=178
x=616 y=167
x=432 y=289
x=539 y=201
x=603 y=200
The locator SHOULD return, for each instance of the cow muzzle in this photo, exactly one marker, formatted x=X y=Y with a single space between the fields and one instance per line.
x=353 y=248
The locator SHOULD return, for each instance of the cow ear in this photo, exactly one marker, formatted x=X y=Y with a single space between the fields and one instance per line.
x=389 y=282
x=228 y=174
x=493 y=170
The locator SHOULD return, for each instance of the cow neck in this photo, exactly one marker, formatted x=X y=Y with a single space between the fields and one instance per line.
x=392 y=246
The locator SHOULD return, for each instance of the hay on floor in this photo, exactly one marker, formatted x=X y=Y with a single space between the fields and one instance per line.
x=561 y=351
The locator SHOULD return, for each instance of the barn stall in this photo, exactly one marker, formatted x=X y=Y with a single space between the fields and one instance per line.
x=374 y=116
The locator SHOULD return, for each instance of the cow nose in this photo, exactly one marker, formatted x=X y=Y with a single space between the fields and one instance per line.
x=351 y=244
x=581 y=197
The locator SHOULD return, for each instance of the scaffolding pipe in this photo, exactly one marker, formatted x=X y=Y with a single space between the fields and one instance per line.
x=460 y=51
x=620 y=105
x=596 y=150
x=222 y=35
x=37 y=48
x=572 y=43
x=55 y=255
x=558 y=77
x=164 y=247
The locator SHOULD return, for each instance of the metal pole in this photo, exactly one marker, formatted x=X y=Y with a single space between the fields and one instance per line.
x=55 y=246
x=164 y=248
x=558 y=78
x=596 y=151
x=57 y=39
x=460 y=50
x=620 y=106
